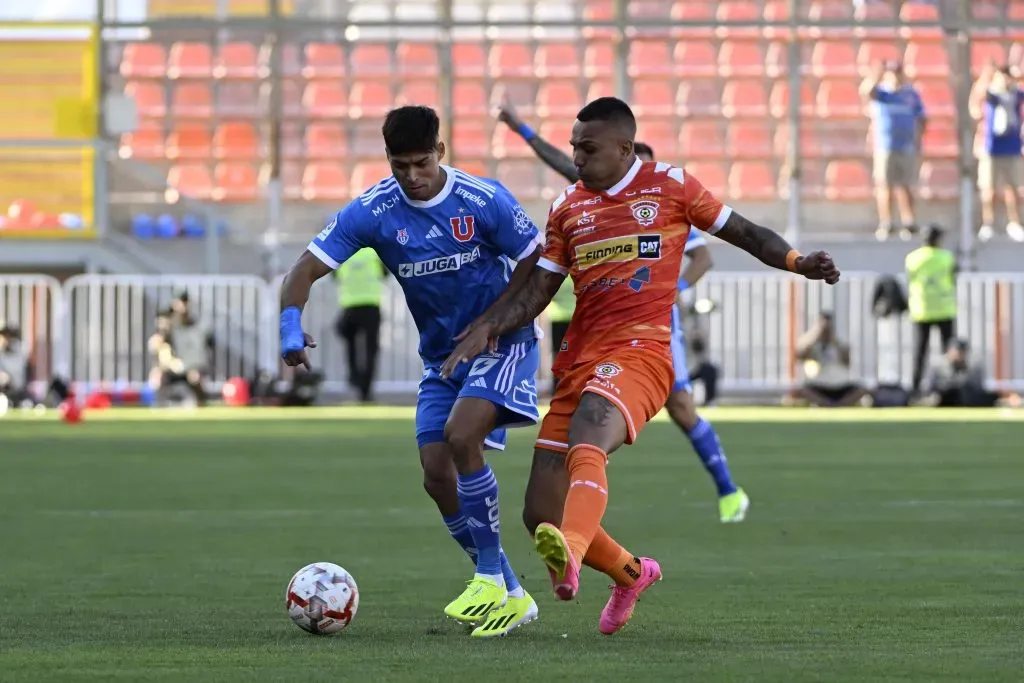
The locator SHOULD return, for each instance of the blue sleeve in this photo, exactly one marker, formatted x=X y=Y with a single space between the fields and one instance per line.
x=344 y=235
x=511 y=229
x=919 y=105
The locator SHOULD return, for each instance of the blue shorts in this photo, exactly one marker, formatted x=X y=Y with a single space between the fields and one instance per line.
x=681 y=382
x=507 y=378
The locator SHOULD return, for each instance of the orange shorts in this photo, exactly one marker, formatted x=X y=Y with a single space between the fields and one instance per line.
x=636 y=381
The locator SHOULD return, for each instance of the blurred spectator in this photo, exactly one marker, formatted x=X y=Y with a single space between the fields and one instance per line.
x=898 y=120
x=957 y=382
x=186 y=354
x=703 y=372
x=931 y=281
x=997 y=100
x=360 y=285
x=14 y=366
x=827 y=367
x=159 y=348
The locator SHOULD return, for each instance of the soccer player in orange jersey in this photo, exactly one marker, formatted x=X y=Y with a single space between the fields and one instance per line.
x=619 y=233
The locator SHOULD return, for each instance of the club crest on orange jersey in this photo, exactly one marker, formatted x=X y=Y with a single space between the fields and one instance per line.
x=645 y=212
x=607 y=370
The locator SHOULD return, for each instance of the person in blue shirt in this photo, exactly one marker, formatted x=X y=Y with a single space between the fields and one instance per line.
x=450 y=239
x=898 y=119
x=998 y=101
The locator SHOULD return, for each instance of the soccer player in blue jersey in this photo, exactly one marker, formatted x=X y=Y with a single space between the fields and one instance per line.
x=732 y=500
x=449 y=238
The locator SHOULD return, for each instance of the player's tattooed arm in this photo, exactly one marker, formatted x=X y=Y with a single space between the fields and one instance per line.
x=556 y=159
x=772 y=249
x=522 y=308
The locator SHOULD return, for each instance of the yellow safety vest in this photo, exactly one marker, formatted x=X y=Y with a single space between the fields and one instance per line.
x=563 y=304
x=360 y=280
x=931 y=281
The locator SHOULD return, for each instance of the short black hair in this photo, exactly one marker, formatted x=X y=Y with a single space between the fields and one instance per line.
x=412 y=129
x=612 y=110
x=643 y=148
x=933 y=234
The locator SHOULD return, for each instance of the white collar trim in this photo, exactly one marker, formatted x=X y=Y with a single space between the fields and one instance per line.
x=626 y=179
x=449 y=183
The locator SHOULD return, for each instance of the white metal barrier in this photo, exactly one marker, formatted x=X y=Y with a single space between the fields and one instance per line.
x=95 y=328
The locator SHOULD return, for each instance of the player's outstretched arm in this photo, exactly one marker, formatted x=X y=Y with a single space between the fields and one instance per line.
x=556 y=159
x=516 y=310
x=698 y=263
x=294 y=295
x=773 y=250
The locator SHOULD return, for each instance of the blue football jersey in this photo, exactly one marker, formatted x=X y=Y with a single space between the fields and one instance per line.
x=451 y=254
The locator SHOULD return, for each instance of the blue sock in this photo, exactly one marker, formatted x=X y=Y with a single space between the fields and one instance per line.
x=460 y=532
x=478 y=498
x=705 y=442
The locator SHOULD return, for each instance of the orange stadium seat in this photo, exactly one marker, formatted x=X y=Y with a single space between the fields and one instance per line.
x=469 y=60
x=149 y=98
x=695 y=59
x=237 y=60
x=986 y=52
x=471 y=139
x=752 y=180
x=601 y=87
x=325 y=99
x=834 y=58
x=370 y=99
x=292 y=144
x=558 y=98
x=650 y=58
x=144 y=60
x=810 y=141
x=367 y=141
x=779 y=101
x=777 y=11
x=324 y=60
x=235 y=182
x=370 y=60
x=839 y=99
x=937 y=97
x=189 y=142
x=190 y=60
x=812 y=180
x=328 y=181
x=925 y=60
x=521 y=93
x=417 y=60
x=236 y=141
x=845 y=140
x=191 y=180
x=599 y=10
x=940 y=180
x=653 y=15
x=477 y=167
x=418 y=92
x=744 y=99
x=661 y=135
x=749 y=140
x=558 y=133
x=848 y=181
x=710 y=174
x=986 y=11
x=192 y=100
x=520 y=177
x=470 y=99
x=145 y=143
x=873 y=52
x=1015 y=19
x=740 y=58
x=915 y=16
x=701 y=140
x=510 y=60
x=598 y=60
x=737 y=10
x=687 y=10
x=506 y=142
x=238 y=99
x=291 y=178
x=877 y=12
x=699 y=99
x=830 y=10
x=557 y=60
x=325 y=140
x=940 y=139
x=653 y=98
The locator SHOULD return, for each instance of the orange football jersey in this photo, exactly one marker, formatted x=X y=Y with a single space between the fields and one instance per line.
x=623 y=249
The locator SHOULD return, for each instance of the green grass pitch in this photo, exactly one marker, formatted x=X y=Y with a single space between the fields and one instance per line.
x=881 y=546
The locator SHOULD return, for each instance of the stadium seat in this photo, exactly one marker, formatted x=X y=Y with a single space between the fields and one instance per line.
x=711 y=175
x=701 y=140
x=291 y=178
x=925 y=60
x=937 y=97
x=699 y=99
x=830 y=10
x=744 y=99
x=557 y=60
x=190 y=60
x=874 y=52
x=915 y=16
x=845 y=139
x=422 y=91
x=238 y=99
x=600 y=87
x=468 y=61
x=146 y=143
x=191 y=180
x=940 y=139
x=520 y=92
x=599 y=10
x=293 y=145
x=695 y=59
x=649 y=59
x=291 y=98
x=506 y=143
x=777 y=11
x=741 y=58
x=477 y=167
x=520 y=177
x=370 y=60
x=192 y=100
x=661 y=135
x=598 y=60
x=470 y=99
x=848 y=181
x=836 y=58
x=370 y=99
x=237 y=60
x=985 y=52
x=329 y=181
x=325 y=99
x=551 y=184
x=291 y=60
x=749 y=140
x=366 y=141
x=810 y=141
x=876 y=12
x=325 y=140
x=234 y=182
x=149 y=98
x=558 y=99
x=940 y=180
x=324 y=60
x=737 y=10
x=236 y=141
x=839 y=99
x=189 y=142
x=752 y=180
x=687 y=10
x=510 y=60
x=1015 y=20
x=471 y=139
x=986 y=11
x=812 y=180
x=558 y=134
x=653 y=98
x=144 y=60
x=417 y=60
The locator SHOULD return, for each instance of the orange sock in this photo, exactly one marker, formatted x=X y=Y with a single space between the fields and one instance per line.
x=587 y=499
x=608 y=557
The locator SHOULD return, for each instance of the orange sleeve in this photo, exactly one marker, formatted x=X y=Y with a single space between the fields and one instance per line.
x=701 y=208
x=555 y=256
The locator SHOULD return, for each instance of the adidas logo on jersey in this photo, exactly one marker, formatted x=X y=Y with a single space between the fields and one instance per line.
x=434 y=232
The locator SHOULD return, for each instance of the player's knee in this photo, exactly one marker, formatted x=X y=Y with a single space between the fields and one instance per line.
x=537 y=510
x=466 y=447
x=681 y=409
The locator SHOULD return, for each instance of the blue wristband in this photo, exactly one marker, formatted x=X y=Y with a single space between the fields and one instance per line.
x=683 y=285
x=527 y=132
x=292 y=338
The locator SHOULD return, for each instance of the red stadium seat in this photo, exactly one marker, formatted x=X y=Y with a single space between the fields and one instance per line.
x=326 y=140
x=149 y=98
x=749 y=140
x=833 y=58
x=368 y=174
x=699 y=99
x=987 y=11
x=145 y=143
x=417 y=60
x=468 y=61
x=238 y=99
x=661 y=135
x=418 y=92
x=701 y=139
x=916 y=17
x=874 y=52
x=370 y=60
x=235 y=182
x=598 y=60
x=189 y=142
x=291 y=98
x=845 y=139
x=686 y=10
x=144 y=60
x=695 y=59
x=741 y=58
x=940 y=139
x=779 y=101
x=744 y=99
x=737 y=10
x=520 y=177
x=506 y=142
x=650 y=58
x=522 y=93
x=810 y=141
x=510 y=60
x=292 y=144
x=985 y=52
x=327 y=181
x=236 y=141
x=1015 y=20
x=291 y=179
x=470 y=99
x=192 y=100
x=848 y=181
x=940 y=180
x=599 y=10
x=776 y=11
x=876 y=12
x=752 y=180
x=601 y=87
x=558 y=134
x=366 y=141
x=653 y=98
x=190 y=60
x=925 y=60
x=938 y=98
x=370 y=99
x=557 y=60
x=710 y=174
x=471 y=139
x=324 y=60
x=839 y=99
x=830 y=10
x=558 y=99
x=191 y=180
x=325 y=99
x=237 y=60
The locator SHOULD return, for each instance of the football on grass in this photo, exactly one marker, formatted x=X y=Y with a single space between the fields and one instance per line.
x=322 y=598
